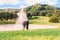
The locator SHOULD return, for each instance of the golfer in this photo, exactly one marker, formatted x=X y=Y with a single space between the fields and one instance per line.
x=23 y=18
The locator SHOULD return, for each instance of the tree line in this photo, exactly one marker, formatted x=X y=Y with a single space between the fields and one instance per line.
x=35 y=10
x=44 y=10
x=7 y=15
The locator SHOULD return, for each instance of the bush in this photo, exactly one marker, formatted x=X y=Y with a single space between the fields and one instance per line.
x=7 y=15
x=54 y=19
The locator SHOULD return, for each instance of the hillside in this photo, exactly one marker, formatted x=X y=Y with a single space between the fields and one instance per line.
x=9 y=10
x=34 y=10
x=37 y=7
x=41 y=7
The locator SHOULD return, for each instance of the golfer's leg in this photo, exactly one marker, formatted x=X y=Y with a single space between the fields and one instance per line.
x=23 y=25
x=27 y=24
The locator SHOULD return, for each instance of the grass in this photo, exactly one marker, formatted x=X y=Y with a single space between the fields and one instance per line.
x=40 y=20
x=35 y=20
x=40 y=34
x=7 y=22
x=43 y=21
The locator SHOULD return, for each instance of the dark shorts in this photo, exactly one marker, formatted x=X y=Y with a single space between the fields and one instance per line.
x=26 y=24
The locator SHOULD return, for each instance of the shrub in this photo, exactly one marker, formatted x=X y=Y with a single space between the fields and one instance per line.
x=7 y=15
x=54 y=19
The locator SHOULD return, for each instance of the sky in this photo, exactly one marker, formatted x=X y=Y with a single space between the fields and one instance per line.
x=17 y=4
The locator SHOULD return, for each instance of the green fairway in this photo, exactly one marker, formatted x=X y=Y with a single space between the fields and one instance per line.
x=40 y=34
x=42 y=21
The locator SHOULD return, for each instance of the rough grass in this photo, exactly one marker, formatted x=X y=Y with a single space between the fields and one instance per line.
x=35 y=20
x=40 y=34
x=43 y=21
x=40 y=20
x=7 y=22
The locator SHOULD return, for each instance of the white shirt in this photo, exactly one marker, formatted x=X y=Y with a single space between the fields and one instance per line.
x=22 y=17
